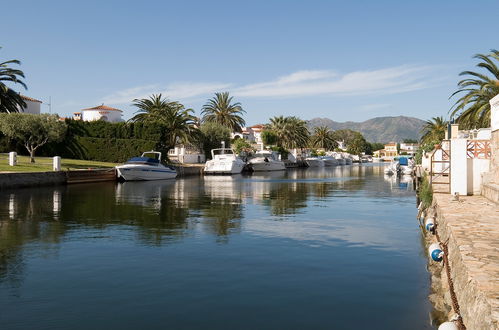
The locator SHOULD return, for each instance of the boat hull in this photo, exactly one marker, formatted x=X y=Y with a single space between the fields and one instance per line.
x=314 y=162
x=267 y=166
x=145 y=173
x=226 y=167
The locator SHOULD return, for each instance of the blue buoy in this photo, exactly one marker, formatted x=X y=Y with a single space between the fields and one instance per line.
x=435 y=252
x=430 y=224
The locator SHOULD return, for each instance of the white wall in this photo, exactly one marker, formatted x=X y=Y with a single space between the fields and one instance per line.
x=91 y=115
x=32 y=107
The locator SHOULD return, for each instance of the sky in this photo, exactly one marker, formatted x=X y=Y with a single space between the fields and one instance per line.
x=343 y=60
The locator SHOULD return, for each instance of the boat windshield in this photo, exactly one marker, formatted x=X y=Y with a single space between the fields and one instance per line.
x=143 y=160
x=222 y=152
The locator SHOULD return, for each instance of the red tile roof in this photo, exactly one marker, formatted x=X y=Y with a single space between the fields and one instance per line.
x=103 y=107
x=26 y=98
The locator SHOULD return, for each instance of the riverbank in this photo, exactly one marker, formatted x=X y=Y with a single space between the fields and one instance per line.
x=470 y=229
x=51 y=178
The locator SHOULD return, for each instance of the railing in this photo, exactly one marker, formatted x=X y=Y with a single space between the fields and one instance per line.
x=442 y=158
x=478 y=149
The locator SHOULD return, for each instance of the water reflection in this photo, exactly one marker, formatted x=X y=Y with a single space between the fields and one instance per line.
x=304 y=248
x=162 y=212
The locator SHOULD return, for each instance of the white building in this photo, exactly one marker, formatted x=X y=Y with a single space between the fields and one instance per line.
x=32 y=105
x=101 y=112
x=409 y=148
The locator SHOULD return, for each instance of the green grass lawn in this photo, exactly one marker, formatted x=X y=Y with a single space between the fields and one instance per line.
x=44 y=164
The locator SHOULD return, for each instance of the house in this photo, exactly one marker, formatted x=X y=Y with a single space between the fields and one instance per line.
x=388 y=153
x=100 y=112
x=409 y=148
x=186 y=155
x=32 y=105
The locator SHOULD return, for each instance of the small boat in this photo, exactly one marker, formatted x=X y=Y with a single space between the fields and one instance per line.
x=266 y=161
x=224 y=161
x=393 y=168
x=314 y=162
x=339 y=157
x=146 y=167
x=329 y=161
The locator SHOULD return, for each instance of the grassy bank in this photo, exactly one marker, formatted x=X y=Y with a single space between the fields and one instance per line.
x=44 y=164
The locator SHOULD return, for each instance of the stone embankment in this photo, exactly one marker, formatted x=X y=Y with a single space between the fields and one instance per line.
x=36 y=179
x=470 y=229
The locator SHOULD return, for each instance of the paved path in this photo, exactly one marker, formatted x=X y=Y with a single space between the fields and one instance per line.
x=472 y=227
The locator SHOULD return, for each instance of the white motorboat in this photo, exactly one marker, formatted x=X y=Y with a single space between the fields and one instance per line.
x=314 y=162
x=266 y=161
x=224 y=161
x=339 y=157
x=146 y=167
x=393 y=168
x=329 y=161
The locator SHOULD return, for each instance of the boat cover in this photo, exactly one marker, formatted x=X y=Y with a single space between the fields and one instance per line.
x=403 y=161
x=143 y=160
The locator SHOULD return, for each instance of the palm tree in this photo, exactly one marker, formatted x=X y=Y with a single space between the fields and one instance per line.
x=323 y=138
x=434 y=130
x=179 y=122
x=291 y=132
x=473 y=108
x=10 y=101
x=221 y=110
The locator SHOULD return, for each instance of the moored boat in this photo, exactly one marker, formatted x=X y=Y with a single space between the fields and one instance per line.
x=266 y=161
x=314 y=162
x=329 y=161
x=146 y=167
x=224 y=161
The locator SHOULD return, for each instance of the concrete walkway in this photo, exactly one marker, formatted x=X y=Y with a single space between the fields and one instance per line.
x=471 y=226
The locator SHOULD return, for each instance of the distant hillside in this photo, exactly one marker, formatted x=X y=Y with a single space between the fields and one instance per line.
x=379 y=129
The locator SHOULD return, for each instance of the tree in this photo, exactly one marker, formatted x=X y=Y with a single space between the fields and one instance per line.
x=323 y=138
x=221 y=110
x=33 y=131
x=291 y=132
x=377 y=146
x=358 y=145
x=241 y=145
x=473 y=107
x=433 y=131
x=178 y=122
x=268 y=137
x=10 y=101
x=410 y=141
x=212 y=135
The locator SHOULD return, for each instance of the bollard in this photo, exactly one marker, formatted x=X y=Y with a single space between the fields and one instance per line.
x=12 y=158
x=57 y=163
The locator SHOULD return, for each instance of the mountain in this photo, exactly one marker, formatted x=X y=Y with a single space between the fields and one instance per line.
x=379 y=129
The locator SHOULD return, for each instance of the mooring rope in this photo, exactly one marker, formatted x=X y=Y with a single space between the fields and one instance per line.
x=455 y=304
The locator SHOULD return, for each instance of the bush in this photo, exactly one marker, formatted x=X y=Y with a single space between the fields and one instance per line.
x=426 y=193
x=212 y=135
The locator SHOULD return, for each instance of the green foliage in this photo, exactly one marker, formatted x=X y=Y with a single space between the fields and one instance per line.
x=269 y=138
x=410 y=141
x=33 y=131
x=291 y=132
x=212 y=135
x=426 y=147
x=241 y=145
x=178 y=122
x=10 y=101
x=222 y=111
x=358 y=145
x=377 y=146
x=321 y=153
x=434 y=130
x=324 y=138
x=473 y=108
x=425 y=193
x=281 y=150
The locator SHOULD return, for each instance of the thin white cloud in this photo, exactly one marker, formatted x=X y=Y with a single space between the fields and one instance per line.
x=176 y=91
x=391 y=80
x=384 y=81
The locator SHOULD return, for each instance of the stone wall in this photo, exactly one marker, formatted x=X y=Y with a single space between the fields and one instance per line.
x=470 y=227
x=19 y=180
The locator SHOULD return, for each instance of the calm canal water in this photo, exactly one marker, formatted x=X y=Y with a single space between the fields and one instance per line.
x=331 y=248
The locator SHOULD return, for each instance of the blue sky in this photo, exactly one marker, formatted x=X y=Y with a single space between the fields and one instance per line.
x=343 y=60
